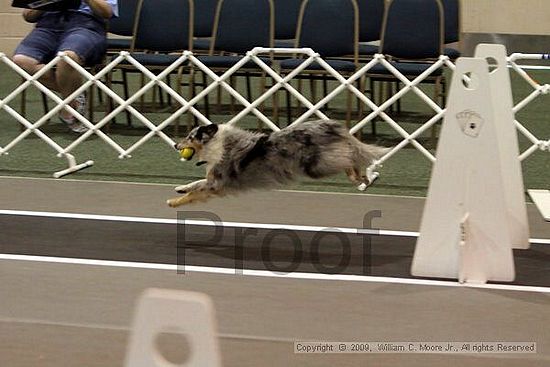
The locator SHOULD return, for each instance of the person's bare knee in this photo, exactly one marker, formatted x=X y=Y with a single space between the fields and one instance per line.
x=73 y=56
x=66 y=70
x=26 y=63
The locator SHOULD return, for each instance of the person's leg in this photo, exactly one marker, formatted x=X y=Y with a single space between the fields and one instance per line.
x=39 y=47
x=68 y=79
x=32 y=66
x=84 y=41
x=35 y=50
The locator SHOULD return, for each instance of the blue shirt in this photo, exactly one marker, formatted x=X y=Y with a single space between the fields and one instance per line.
x=85 y=8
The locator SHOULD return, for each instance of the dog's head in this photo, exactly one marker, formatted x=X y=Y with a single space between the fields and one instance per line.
x=197 y=139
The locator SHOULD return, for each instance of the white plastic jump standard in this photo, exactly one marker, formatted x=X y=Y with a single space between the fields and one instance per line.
x=463 y=230
x=507 y=137
x=189 y=314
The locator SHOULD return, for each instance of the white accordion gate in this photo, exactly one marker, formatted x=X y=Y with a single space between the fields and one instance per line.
x=250 y=107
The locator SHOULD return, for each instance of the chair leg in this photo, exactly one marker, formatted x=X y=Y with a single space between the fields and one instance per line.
x=179 y=82
x=348 y=109
x=312 y=90
x=298 y=105
x=91 y=104
x=23 y=103
x=100 y=96
x=233 y=84
x=168 y=96
x=385 y=94
x=275 y=106
x=249 y=88
x=325 y=91
x=262 y=90
x=142 y=97
x=45 y=103
x=109 y=102
x=398 y=103
x=191 y=119
x=219 y=98
x=288 y=107
x=161 y=96
x=96 y=70
x=126 y=96
x=206 y=100
x=433 y=136
x=373 y=96
x=360 y=84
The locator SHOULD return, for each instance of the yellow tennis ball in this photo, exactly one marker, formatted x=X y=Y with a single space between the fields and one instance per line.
x=187 y=153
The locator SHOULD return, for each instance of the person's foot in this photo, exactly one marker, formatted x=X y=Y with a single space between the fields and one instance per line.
x=79 y=104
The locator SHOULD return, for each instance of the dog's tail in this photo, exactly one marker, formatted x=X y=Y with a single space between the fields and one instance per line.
x=370 y=153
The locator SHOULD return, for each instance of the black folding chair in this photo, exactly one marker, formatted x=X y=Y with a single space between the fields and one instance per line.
x=412 y=39
x=239 y=26
x=163 y=29
x=122 y=26
x=331 y=28
x=286 y=21
x=452 y=27
x=371 y=15
x=205 y=11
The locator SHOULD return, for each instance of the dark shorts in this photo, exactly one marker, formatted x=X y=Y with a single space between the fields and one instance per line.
x=55 y=32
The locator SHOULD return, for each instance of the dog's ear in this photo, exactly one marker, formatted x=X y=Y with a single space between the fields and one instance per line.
x=207 y=132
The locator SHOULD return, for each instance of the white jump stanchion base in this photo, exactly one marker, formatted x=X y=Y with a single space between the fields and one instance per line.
x=541 y=198
x=188 y=314
x=463 y=233
x=73 y=167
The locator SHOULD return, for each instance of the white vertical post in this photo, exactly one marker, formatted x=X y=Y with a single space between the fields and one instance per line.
x=507 y=137
x=187 y=313
x=463 y=231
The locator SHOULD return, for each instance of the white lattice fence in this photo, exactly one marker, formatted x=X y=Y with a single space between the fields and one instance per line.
x=538 y=91
x=281 y=82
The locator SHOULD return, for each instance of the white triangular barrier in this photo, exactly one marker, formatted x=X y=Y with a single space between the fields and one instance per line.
x=464 y=233
x=177 y=312
x=514 y=190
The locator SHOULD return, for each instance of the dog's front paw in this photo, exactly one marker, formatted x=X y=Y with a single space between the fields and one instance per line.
x=173 y=203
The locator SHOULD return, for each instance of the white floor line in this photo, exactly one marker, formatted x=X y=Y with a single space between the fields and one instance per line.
x=122 y=328
x=87 y=181
x=175 y=184
x=116 y=218
x=270 y=274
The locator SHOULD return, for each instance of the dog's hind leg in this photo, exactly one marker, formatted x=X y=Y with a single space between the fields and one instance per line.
x=355 y=176
x=184 y=189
